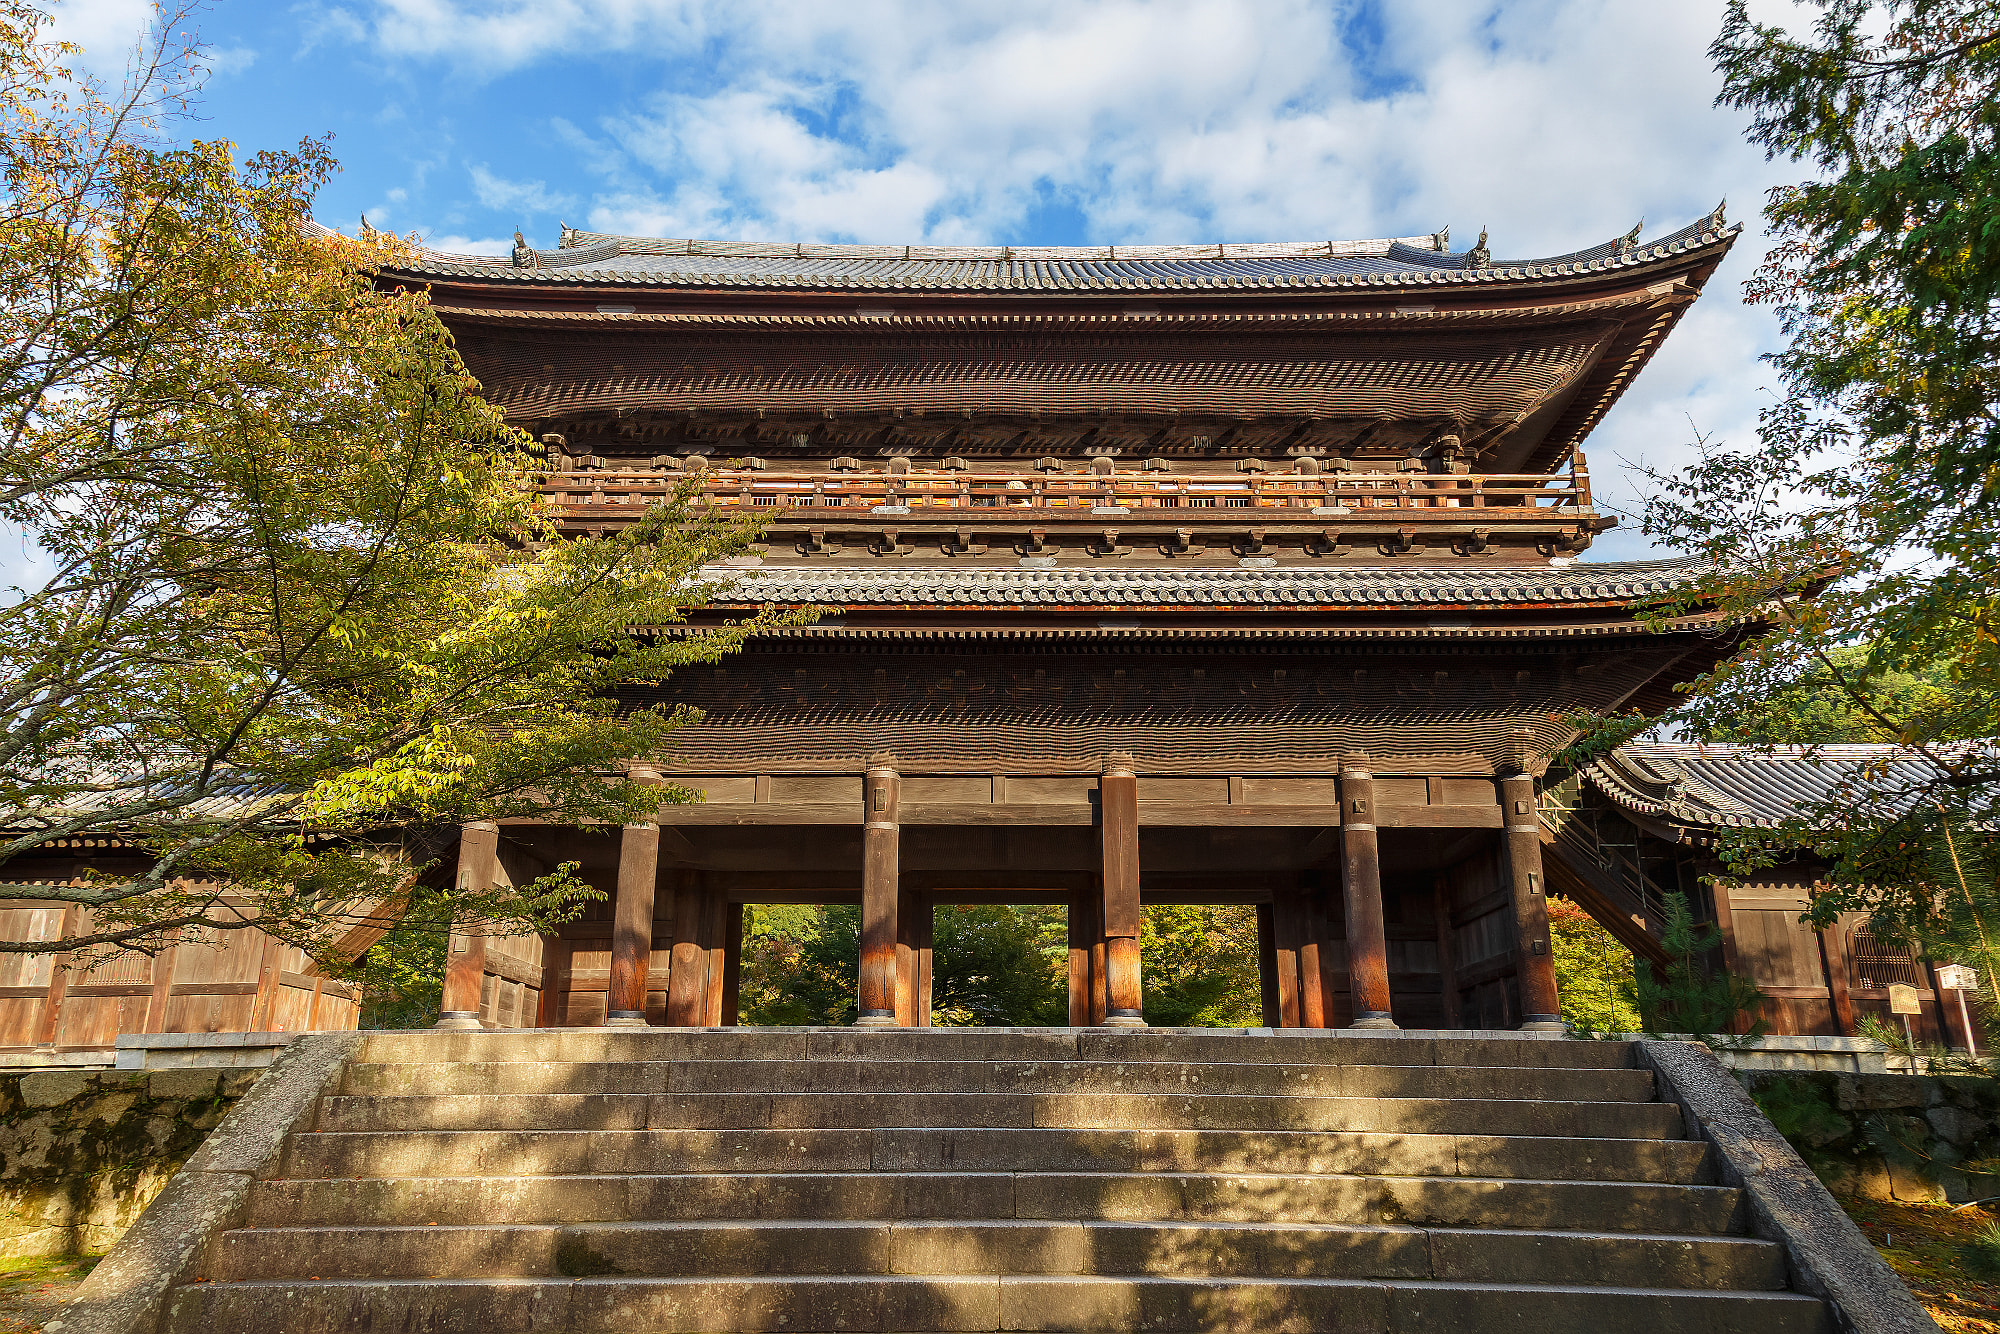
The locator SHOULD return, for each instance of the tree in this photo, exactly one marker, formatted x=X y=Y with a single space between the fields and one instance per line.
x=1200 y=967
x=1594 y=973
x=1687 y=999
x=298 y=588
x=1856 y=544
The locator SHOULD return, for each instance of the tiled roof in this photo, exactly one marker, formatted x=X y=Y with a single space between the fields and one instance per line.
x=596 y=258
x=1336 y=586
x=1709 y=786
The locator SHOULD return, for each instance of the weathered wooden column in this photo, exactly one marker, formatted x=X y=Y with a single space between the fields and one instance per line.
x=1447 y=950
x=1267 y=965
x=1312 y=934
x=1080 y=936
x=732 y=964
x=632 y=925
x=881 y=863
x=465 y=958
x=1285 y=933
x=1541 y=1010
x=687 y=969
x=1361 y=884
x=909 y=950
x=1118 y=803
x=553 y=1002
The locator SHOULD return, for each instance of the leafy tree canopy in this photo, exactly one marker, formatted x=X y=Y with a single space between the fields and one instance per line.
x=1858 y=537
x=296 y=585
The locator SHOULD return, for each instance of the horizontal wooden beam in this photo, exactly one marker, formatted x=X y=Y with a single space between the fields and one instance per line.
x=1154 y=815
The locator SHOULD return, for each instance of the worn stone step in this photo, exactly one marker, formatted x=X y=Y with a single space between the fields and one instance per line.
x=1458 y=1048
x=1162 y=1195
x=883 y=1077
x=799 y=1305
x=948 y=1247
x=1312 y=1141
x=612 y=1114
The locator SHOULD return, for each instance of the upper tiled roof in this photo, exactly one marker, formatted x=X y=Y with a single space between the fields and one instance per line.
x=1711 y=786
x=596 y=258
x=1279 y=587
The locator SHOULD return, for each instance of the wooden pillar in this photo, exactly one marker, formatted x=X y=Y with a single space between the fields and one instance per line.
x=465 y=957
x=270 y=981
x=1312 y=983
x=1535 y=960
x=550 y=1004
x=1267 y=965
x=1285 y=935
x=909 y=948
x=632 y=925
x=920 y=1002
x=687 y=972
x=58 y=992
x=1361 y=884
x=163 y=991
x=881 y=837
x=1447 y=947
x=1081 y=938
x=1118 y=803
x=715 y=956
x=732 y=964
x=1833 y=954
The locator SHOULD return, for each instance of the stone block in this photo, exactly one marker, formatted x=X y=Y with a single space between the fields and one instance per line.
x=1957 y=1126
x=1868 y=1093
x=53 y=1088
x=187 y=1084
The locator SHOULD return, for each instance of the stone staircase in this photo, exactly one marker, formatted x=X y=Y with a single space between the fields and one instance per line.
x=590 y=1180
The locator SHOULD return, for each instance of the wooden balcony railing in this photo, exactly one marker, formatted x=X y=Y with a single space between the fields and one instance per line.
x=1189 y=496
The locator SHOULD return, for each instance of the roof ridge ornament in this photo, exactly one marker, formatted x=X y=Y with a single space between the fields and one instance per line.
x=567 y=237
x=1715 y=221
x=1627 y=243
x=524 y=257
x=1440 y=239
x=1479 y=257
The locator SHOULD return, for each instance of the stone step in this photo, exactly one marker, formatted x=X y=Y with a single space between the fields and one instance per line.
x=973 y=1303
x=998 y=1077
x=355 y=1113
x=958 y=1247
x=1454 y=1048
x=1157 y=1195
x=915 y=1149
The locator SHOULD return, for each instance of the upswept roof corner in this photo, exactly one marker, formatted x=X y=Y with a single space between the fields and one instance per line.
x=1706 y=787
x=603 y=258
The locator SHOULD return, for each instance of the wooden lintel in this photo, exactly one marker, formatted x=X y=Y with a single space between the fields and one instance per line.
x=1153 y=815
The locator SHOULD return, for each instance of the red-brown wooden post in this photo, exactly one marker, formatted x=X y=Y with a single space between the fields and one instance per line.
x=163 y=991
x=465 y=957
x=909 y=949
x=551 y=1001
x=52 y=1003
x=632 y=925
x=1535 y=963
x=1447 y=950
x=1361 y=884
x=1833 y=952
x=732 y=964
x=687 y=972
x=1285 y=934
x=920 y=1002
x=1118 y=801
x=1312 y=983
x=1081 y=938
x=881 y=862
x=1267 y=965
x=270 y=984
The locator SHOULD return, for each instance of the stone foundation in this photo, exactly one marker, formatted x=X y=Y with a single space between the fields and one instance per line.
x=1883 y=1137
x=82 y=1153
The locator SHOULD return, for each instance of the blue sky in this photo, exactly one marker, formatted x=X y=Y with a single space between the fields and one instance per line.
x=1554 y=123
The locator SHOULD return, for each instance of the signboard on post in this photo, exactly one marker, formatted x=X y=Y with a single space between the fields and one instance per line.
x=1957 y=977
x=1906 y=1000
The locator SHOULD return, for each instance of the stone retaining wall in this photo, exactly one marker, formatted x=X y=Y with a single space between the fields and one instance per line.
x=82 y=1153
x=1902 y=1137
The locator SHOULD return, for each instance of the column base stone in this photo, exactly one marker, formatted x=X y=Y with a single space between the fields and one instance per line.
x=1375 y=1021
x=1542 y=1023
x=883 y=1019
x=1116 y=1020
x=458 y=1021
x=626 y=1019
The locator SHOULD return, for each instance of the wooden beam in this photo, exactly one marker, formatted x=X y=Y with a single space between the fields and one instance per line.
x=1153 y=816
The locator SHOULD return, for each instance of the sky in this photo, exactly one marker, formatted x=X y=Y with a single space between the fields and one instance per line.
x=1554 y=124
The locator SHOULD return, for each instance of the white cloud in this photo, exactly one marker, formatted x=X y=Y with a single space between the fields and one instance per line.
x=496 y=192
x=465 y=245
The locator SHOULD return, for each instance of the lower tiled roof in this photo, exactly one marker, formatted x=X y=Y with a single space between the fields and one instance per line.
x=1090 y=586
x=1711 y=786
